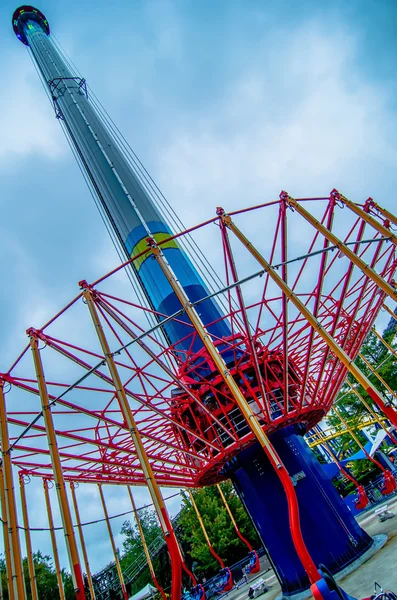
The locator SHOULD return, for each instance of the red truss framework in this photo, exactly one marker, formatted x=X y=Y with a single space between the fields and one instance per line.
x=186 y=440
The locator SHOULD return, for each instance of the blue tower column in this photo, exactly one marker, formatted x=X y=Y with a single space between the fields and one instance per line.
x=332 y=535
x=133 y=215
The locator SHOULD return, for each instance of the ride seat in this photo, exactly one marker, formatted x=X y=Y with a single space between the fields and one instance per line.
x=362 y=498
x=389 y=483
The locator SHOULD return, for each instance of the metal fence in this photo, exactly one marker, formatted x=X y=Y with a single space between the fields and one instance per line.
x=374 y=493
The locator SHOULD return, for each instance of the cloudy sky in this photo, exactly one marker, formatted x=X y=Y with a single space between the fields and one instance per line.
x=226 y=102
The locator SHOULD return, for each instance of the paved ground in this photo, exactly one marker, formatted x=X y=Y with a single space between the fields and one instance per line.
x=382 y=567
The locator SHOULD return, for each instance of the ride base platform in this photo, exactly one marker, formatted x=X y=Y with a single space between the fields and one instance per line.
x=379 y=567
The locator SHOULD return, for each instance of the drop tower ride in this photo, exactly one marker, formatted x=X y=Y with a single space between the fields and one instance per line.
x=169 y=281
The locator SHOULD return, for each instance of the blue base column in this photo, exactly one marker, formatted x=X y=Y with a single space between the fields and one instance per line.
x=331 y=534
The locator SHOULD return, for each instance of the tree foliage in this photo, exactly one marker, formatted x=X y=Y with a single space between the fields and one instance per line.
x=133 y=549
x=219 y=527
x=132 y=544
x=46 y=580
x=191 y=539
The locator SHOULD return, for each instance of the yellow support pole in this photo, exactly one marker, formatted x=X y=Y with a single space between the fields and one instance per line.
x=18 y=582
x=246 y=411
x=368 y=407
x=380 y=282
x=338 y=464
x=389 y=310
x=29 y=550
x=339 y=432
x=368 y=218
x=207 y=539
x=82 y=541
x=380 y=338
x=153 y=487
x=229 y=512
x=114 y=549
x=64 y=508
x=379 y=377
x=53 y=541
x=144 y=544
x=336 y=349
x=385 y=213
x=7 y=551
x=355 y=438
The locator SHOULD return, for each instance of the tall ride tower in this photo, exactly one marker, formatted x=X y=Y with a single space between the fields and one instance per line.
x=330 y=533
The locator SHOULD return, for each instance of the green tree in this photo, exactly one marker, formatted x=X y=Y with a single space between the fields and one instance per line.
x=132 y=544
x=133 y=549
x=190 y=536
x=219 y=528
x=46 y=580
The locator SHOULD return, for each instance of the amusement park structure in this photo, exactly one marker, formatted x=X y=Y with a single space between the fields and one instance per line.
x=231 y=373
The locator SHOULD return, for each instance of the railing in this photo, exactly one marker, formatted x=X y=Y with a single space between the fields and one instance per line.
x=106 y=581
x=374 y=491
x=238 y=571
x=132 y=572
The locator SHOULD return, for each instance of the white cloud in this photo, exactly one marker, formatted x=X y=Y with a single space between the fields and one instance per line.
x=308 y=126
x=25 y=114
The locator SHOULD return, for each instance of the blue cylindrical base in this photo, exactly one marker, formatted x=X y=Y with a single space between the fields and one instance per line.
x=331 y=534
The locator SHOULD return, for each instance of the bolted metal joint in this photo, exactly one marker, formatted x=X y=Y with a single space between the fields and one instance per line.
x=83 y=284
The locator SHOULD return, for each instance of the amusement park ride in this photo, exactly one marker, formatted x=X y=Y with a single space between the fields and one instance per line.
x=230 y=374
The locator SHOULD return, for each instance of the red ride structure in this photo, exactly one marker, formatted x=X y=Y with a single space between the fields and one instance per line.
x=188 y=439
x=234 y=368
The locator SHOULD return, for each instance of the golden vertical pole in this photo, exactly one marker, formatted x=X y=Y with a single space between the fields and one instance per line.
x=29 y=551
x=379 y=377
x=153 y=487
x=369 y=409
x=207 y=539
x=366 y=269
x=380 y=338
x=331 y=343
x=229 y=512
x=6 y=537
x=144 y=544
x=250 y=417
x=370 y=203
x=387 y=214
x=82 y=541
x=18 y=582
x=328 y=448
x=387 y=309
x=64 y=508
x=115 y=554
x=53 y=541
x=368 y=218
x=355 y=438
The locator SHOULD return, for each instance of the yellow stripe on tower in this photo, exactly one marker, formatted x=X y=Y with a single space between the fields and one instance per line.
x=142 y=245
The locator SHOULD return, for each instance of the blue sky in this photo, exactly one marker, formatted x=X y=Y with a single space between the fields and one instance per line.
x=226 y=102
